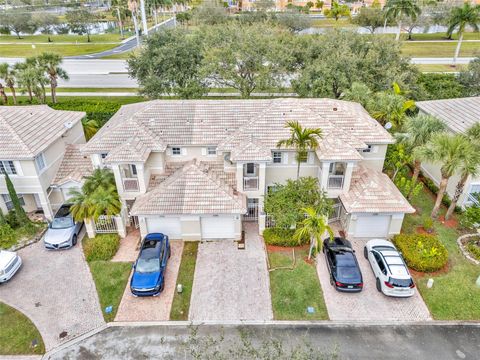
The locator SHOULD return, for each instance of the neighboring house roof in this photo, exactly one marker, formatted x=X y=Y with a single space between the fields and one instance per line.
x=192 y=189
x=457 y=114
x=25 y=131
x=373 y=192
x=74 y=166
x=224 y=122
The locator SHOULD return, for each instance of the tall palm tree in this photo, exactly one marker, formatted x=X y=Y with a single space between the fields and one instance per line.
x=313 y=226
x=418 y=131
x=448 y=151
x=302 y=139
x=3 y=95
x=25 y=78
x=50 y=63
x=100 y=178
x=395 y=9
x=460 y=17
x=7 y=73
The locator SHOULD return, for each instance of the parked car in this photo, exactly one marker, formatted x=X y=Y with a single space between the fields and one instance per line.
x=10 y=262
x=63 y=231
x=391 y=272
x=148 y=277
x=342 y=264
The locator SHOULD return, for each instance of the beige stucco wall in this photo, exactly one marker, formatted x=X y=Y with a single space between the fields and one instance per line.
x=375 y=158
x=433 y=172
x=155 y=163
x=190 y=153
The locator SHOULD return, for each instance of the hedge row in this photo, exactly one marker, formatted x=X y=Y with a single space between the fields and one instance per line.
x=101 y=247
x=422 y=252
x=281 y=237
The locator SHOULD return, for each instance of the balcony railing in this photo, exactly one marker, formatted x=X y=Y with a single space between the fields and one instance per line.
x=472 y=200
x=130 y=184
x=250 y=183
x=335 y=181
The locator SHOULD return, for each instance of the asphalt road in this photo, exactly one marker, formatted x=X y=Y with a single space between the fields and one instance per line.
x=345 y=341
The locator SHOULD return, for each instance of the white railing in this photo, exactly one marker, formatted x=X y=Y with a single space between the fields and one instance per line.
x=335 y=215
x=472 y=200
x=250 y=183
x=105 y=224
x=269 y=222
x=335 y=181
x=130 y=184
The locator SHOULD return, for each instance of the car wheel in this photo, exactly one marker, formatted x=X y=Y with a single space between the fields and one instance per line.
x=331 y=281
x=379 y=286
x=74 y=240
x=365 y=252
x=162 y=286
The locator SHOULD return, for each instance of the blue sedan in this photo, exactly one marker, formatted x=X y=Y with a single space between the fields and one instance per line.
x=148 y=277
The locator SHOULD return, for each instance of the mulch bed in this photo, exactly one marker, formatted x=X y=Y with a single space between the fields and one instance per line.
x=275 y=248
x=451 y=223
x=442 y=271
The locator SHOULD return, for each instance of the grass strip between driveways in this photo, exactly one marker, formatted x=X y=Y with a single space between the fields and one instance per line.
x=181 y=302
x=294 y=290
x=17 y=333
x=454 y=295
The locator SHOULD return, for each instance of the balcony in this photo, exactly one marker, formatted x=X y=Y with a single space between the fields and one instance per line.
x=335 y=181
x=250 y=183
x=130 y=184
x=472 y=200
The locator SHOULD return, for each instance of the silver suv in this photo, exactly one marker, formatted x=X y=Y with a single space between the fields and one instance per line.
x=391 y=272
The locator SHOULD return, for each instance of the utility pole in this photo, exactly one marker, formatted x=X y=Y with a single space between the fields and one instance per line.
x=144 y=17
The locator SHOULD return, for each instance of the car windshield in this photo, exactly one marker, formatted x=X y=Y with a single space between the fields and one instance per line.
x=61 y=223
x=148 y=265
x=400 y=282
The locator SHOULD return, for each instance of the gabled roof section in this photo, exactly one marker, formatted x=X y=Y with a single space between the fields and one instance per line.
x=457 y=114
x=133 y=150
x=373 y=192
x=25 y=131
x=332 y=147
x=249 y=148
x=74 y=166
x=192 y=189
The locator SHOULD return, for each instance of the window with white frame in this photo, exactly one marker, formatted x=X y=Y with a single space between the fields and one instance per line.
x=9 y=203
x=7 y=167
x=40 y=162
x=103 y=155
x=212 y=150
x=176 y=151
x=277 y=157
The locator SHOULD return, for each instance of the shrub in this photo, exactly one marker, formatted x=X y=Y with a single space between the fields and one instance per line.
x=101 y=247
x=471 y=217
x=422 y=252
x=12 y=219
x=427 y=223
x=7 y=236
x=473 y=248
x=281 y=237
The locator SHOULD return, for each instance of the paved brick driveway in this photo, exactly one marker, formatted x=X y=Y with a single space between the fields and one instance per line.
x=156 y=308
x=368 y=305
x=231 y=284
x=56 y=291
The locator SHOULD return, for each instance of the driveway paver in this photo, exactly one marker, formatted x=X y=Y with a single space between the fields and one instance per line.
x=55 y=289
x=129 y=247
x=153 y=308
x=231 y=284
x=369 y=304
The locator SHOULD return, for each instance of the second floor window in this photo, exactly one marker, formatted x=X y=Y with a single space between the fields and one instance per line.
x=40 y=162
x=176 y=151
x=368 y=149
x=211 y=150
x=277 y=157
x=7 y=167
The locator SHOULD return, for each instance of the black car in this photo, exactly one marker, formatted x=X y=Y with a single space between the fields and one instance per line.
x=345 y=274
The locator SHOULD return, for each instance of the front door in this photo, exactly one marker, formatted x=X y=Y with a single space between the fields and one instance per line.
x=252 y=210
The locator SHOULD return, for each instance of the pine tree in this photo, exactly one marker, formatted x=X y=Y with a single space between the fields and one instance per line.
x=21 y=215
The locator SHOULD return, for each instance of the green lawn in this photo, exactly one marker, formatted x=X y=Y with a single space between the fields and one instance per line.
x=24 y=50
x=439 y=49
x=329 y=23
x=454 y=295
x=440 y=36
x=17 y=333
x=68 y=90
x=294 y=290
x=438 y=68
x=181 y=302
x=29 y=39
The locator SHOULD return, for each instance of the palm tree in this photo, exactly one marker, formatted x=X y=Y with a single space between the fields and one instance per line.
x=398 y=8
x=90 y=128
x=25 y=78
x=460 y=17
x=358 y=92
x=302 y=140
x=100 y=178
x=3 y=95
x=7 y=73
x=418 y=131
x=50 y=63
x=389 y=107
x=313 y=226
x=336 y=11
x=448 y=151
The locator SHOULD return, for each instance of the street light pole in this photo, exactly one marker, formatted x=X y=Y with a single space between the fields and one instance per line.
x=144 y=17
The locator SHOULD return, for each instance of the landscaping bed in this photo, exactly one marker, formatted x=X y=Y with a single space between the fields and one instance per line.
x=293 y=291
x=17 y=333
x=21 y=236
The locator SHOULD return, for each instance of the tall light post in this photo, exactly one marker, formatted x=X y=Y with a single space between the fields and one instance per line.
x=133 y=7
x=144 y=17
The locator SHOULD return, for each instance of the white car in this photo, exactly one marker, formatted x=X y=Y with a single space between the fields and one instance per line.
x=391 y=272
x=10 y=262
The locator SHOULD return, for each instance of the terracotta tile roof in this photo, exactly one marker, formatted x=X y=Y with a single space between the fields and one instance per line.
x=457 y=114
x=250 y=148
x=373 y=192
x=224 y=122
x=25 y=131
x=333 y=147
x=192 y=189
x=74 y=166
x=133 y=150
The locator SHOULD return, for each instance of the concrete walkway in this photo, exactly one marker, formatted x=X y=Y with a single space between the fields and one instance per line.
x=129 y=246
x=231 y=284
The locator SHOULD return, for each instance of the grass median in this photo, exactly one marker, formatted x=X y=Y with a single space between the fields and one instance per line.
x=25 y=50
x=439 y=49
x=64 y=38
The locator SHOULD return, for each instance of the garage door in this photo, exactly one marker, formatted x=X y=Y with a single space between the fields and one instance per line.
x=170 y=226
x=218 y=227
x=372 y=226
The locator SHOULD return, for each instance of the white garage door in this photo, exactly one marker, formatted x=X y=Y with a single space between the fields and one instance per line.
x=372 y=226
x=218 y=227
x=170 y=226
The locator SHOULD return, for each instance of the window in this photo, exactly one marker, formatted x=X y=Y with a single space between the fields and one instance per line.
x=337 y=168
x=277 y=157
x=9 y=203
x=211 y=150
x=250 y=169
x=40 y=161
x=380 y=263
x=176 y=151
x=103 y=155
x=133 y=169
x=368 y=149
x=7 y=167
